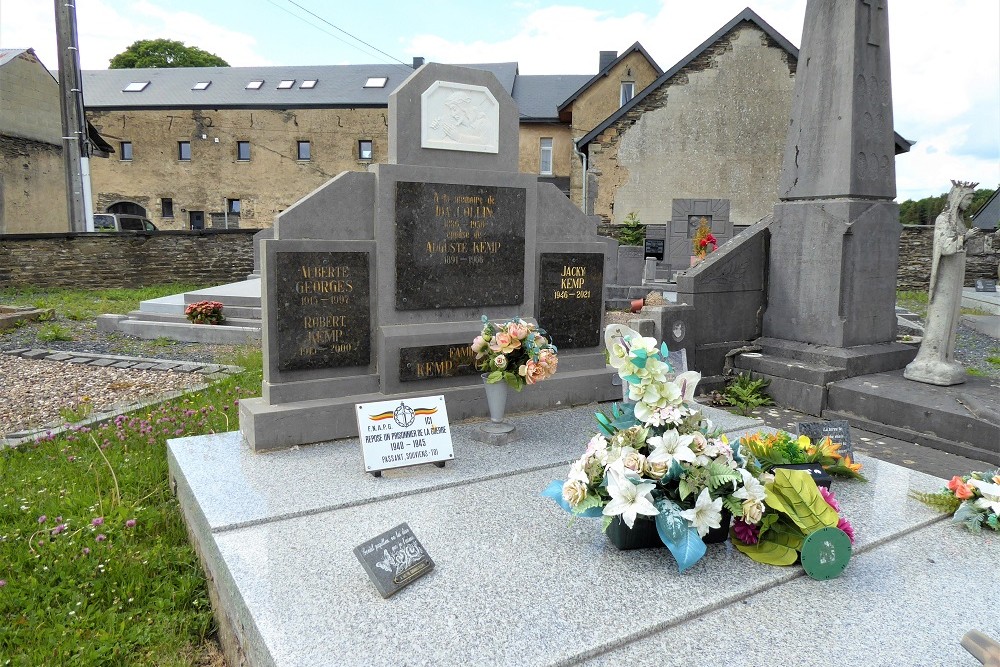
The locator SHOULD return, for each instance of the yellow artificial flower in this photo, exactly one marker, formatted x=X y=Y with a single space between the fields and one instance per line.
x=803 y=442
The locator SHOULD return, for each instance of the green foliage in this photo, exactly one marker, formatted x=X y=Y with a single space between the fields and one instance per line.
x=163 y=341
x=632 y=231
x=975 y=372
x=115 y=593
x=776 y=547
x=77 y=413
x=746 y=394
x=994 y=360
x=164 y=53
x=82 y=304
x=720 y=475
x=48 y=316
x=971 y=516
x=924 y=211
x=794 y=493
x=589 y=501
x=942 y=501
x=52 y=332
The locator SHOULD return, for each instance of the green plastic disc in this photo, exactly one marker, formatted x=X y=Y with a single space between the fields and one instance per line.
x=825 y=553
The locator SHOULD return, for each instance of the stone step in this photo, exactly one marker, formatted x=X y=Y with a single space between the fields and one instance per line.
x=791 y=369
x=223 y=334
x=138 y=315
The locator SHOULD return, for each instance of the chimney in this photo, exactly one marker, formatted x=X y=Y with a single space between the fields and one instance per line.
x=607 y=57
x=417 y=61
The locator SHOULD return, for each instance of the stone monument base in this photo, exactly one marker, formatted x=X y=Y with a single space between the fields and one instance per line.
x=934 y=371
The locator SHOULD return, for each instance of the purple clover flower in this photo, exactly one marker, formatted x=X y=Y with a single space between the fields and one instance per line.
x=97 y=522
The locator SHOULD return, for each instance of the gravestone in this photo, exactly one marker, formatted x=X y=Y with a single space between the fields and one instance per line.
x=685 y=217
x=374 y=284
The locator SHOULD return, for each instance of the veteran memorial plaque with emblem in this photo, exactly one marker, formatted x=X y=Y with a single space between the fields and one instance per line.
x=406 y=432
x=323 y=314
x=459 y=245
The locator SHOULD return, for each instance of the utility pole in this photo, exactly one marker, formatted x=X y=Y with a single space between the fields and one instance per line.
x=76 y=144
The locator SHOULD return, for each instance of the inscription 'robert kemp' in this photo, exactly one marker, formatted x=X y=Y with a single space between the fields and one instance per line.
x=459 y=245
x=322 y=310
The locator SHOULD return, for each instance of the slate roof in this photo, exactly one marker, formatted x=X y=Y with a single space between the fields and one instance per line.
x=988 y=217
x=902 y=145
x=6 y=55
x=538 y=96
x=336 y=86
x=637 y=47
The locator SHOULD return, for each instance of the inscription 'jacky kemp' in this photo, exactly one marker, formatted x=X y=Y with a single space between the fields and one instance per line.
x=571 y=298
x=459 y=245
x=323 y=316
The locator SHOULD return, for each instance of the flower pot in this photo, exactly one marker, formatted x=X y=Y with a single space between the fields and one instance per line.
x=720 y=534
x=642 y=535
x=496 y=399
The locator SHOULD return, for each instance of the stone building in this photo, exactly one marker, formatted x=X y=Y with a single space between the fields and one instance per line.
x=32 y=181
x=712 y=127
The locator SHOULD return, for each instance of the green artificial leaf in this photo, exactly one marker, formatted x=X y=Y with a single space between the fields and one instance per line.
x=786 y=533
x=670 y=525
x=839 y=469
x=733 y=504
x=684 y=488
x=802 y=501
x=720 y=474
x=604 y=424
x=589 y=501
x=605 y=522
x=971 y=516
x=767 y=551
x=942 y=501
x=993 y=522
x=495 y=376
x=767 y=521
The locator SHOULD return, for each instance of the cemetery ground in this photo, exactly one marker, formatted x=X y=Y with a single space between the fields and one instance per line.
x=95 y=563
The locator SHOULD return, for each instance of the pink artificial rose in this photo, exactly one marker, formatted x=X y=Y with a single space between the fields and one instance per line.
x=479 y=346
x=518 y=329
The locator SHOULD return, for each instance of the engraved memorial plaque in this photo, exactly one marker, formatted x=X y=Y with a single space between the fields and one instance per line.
x=322 y=314
x=459 y=117
x=571 y=298
x=459 y=245
x=436 y=361
x=394 y=559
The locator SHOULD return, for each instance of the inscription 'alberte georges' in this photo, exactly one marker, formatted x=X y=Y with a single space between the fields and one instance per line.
x=459 y=245
x=322 y=310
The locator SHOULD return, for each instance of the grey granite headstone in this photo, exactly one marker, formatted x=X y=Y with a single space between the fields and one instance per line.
x=685 y=218
x=631 y=264
x=394 y=559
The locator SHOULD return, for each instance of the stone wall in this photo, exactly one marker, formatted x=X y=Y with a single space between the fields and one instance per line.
x=127 y=259
x=916 y=244
x=32 y=186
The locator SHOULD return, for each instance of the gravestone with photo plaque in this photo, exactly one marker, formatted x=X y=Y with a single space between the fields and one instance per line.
x=374 y=285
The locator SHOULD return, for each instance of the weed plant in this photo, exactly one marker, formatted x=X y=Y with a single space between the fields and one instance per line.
x=95 y=565
x=52 y=332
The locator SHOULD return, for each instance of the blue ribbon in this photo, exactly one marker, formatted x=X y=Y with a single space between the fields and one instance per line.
x=554 y=491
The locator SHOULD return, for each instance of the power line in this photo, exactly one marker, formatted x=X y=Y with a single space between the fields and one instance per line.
x=355 y=38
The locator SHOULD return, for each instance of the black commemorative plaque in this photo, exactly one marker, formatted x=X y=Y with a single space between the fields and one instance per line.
x=459 y=245
x=394 y=559
x=571 y=298
x=654 y=248
x=322 y=315
x=838 y=430
x=986 y=285
x=436 y=361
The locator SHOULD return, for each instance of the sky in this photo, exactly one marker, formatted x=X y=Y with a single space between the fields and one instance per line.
x=945 y=53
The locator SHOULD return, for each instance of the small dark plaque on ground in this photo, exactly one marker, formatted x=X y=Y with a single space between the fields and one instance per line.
x=436 y=361
x=815 y=470
x=459 y=245
x=322 y=315
x=838 y=430
x=394 y=559
x=654 y=249
x=986 y=285
x=571 y=298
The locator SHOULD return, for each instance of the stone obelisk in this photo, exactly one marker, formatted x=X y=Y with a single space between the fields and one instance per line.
x=835 y=234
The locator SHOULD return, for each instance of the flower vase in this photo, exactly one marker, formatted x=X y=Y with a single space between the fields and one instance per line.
x=720 y=534
x=496 y=399
x=642 y=534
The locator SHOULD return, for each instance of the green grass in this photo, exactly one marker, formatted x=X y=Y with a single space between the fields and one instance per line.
x=993 y=360
x=51 y=332
x=94 y=557
x=976 y=372
x=79 y=304
x=914 y=301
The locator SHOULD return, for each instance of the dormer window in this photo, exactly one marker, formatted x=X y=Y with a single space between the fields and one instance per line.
x=376 y=82
x=135 y=87
x=628 y=92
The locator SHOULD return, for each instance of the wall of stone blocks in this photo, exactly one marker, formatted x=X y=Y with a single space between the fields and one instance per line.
x=732 y=103
x=916 y=245
x=127 y=259
x=32 y=187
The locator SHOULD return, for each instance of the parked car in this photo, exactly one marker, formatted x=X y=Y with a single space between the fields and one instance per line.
x=119 y=222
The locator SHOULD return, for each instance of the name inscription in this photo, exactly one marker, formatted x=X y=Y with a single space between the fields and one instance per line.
x=571 y=298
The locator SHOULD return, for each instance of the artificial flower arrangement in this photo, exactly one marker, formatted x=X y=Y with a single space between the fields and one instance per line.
x=793 y=510
x=205 y=312
x=704 y=238
x=516 y=352
x=781 y=448
x=973 y=499
x=658 y=460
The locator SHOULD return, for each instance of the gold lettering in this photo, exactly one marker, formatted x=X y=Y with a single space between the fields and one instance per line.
x=571 y=283
x=576 y=271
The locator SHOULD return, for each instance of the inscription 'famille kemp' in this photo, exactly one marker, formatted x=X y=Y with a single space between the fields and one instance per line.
x=459 y=245
x=323 y=316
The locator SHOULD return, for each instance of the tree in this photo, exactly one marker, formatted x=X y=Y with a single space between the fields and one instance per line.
x=164 y=53
x=925 y=211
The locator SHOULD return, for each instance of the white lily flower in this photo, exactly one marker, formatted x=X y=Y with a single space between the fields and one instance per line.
x=686 y=383
x=614 y=334
x=670 y=447
x=629 y=500
x=705 y=514
x=991 y=495
x=752 y=488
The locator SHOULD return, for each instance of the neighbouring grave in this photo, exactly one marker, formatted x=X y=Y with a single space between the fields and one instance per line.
x=986 y=285
x=373 y=285
x=838 y=430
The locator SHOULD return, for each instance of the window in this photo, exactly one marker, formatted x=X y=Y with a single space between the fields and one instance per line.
x=308 y=83
x=135 y=87
x=305 y=150
x=376 y=82
x=545 y=156
x=233 y=206
x=254 y=85
x=125 y=150
x=628 y=91
x=243 y=151
x=167 y=207
x=286 y=84
x=365 y=149
x=184 y=150
x=201 y=85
